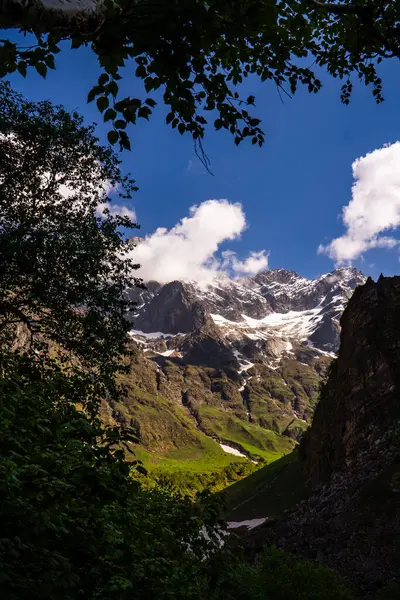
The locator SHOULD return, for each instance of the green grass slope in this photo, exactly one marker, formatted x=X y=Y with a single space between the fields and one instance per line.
x=181 y=413
x=269 y=492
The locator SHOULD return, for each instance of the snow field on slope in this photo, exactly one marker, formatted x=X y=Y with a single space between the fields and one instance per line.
x=293 y=324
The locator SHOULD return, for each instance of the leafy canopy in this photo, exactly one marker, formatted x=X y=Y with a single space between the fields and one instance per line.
x=196 y=53
x=64 y=267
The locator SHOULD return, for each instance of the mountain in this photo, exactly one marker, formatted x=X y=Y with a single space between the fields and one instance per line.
x=276 y=303
x=350 y=456
x=237 y=363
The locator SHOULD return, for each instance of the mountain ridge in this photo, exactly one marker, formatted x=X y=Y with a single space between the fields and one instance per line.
x=239 y=306
x=218 y=364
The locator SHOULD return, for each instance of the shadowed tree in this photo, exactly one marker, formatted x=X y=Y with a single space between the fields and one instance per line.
x=64 y=264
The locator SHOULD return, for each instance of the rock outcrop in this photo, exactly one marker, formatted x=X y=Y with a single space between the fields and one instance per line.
x=351 y=521
x=360 y=402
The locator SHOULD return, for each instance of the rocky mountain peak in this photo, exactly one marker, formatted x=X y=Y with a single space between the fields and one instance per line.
x=277 y=305
x=276 y=275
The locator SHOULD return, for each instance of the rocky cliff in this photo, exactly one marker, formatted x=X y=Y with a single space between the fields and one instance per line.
x=360 y=402
x=351 y=453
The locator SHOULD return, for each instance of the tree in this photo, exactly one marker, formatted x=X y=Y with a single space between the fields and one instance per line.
x=197 y=52
x=74 y=524
x=64 y=267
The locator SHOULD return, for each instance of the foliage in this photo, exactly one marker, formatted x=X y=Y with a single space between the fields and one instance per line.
x=260 y=444
x=389 y=592
x=279 y=576
x=63 y=265
x=196 y=53
x=191 y=482
x=74 y=523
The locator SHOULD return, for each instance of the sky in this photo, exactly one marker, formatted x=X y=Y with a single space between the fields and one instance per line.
x=323 y=191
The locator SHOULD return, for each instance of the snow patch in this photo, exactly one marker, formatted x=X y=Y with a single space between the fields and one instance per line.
x=230 y=450
x=293 y=325
x=330 y=354
x=250 y=523
x=167 y=352
x=153 y=335
x=246 y=367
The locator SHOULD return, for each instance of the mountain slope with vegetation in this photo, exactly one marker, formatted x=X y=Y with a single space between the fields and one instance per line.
x=249 y=381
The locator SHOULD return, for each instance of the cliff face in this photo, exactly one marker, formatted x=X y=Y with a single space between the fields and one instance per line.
x=351 y=453
x=360 y=402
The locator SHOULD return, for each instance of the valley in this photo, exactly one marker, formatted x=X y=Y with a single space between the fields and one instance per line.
x=225 y=377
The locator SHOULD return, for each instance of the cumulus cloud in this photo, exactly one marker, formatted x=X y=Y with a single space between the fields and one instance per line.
x=254 y=263
x=374 y=207
x=116 y=209
x=188 y=251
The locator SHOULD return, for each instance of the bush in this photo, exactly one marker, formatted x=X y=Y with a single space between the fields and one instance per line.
x=278 y=576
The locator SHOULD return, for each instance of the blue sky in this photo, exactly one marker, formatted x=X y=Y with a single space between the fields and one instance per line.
x=292 y=190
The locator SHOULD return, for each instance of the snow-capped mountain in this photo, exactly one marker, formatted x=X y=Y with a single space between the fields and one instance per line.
x=272 y=311
x=238 y=361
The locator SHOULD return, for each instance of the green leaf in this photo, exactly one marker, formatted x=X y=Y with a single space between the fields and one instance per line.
x=104 y=77
x=169 y=118
x=120 y=124
x=218 y=124
x=95 y=91
x=22 y=68
x=76 y=42
x=151 y=102
x=112 y=137
x=148 y=84
x=112 y=88
x=181 y=128
x=110 y=114
x=102 y=103
x=41 y=69
x=141 y=72
x=126 y=145
x=144 y=112
x=50 y=61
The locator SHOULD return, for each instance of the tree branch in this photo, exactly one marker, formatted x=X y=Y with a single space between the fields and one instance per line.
x=50 y=15
x=341 y=9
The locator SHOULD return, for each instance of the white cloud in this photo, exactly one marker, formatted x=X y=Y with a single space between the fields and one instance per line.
x=188 y=251
x=116 y=209
x=254 y=263
x=374 y=207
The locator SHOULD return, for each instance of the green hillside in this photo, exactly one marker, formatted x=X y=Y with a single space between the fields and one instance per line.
x=269 y=492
